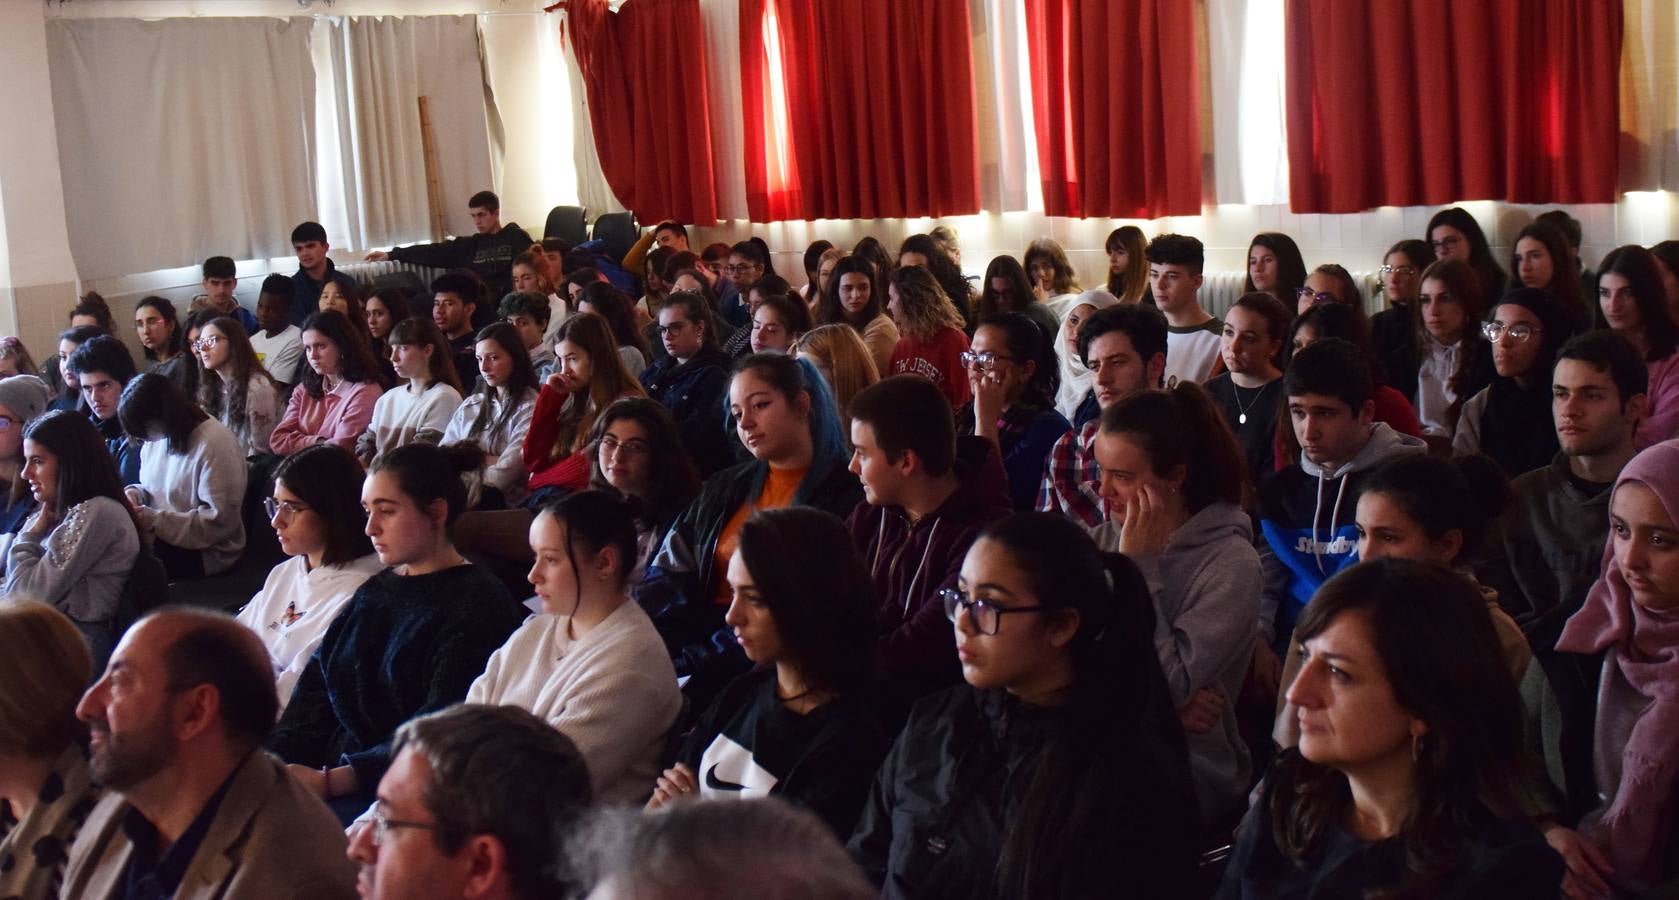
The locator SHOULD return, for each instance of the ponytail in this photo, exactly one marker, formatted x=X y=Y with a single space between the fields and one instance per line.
x=427 y=473
x=1181 y=429
x=1118 y=718
x=1465 y=494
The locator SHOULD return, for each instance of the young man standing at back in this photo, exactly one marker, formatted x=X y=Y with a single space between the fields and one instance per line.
x=1307 y=511
x=1174 y=274
x=489 y=253
x=314 y=270
x=1125 y=349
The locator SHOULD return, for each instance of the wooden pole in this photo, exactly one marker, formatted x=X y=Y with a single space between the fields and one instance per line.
x=434 y=181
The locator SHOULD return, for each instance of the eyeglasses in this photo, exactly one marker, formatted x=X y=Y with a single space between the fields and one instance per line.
x=673 y=328
x=985 y=358
x=632 y=447
x=1398 y=270
x=985 y=616
x=207 y=342
x=382 y=824
x=6 y=422
x=1518 y=333
x=1445 y=243
x=736 y=269
x=1307 y=293
x=276 y=507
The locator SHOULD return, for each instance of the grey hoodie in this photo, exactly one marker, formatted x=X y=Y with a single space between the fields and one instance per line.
x=1206 y=587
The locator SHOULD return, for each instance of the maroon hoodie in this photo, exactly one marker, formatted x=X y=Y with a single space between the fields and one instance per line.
x=911 y=563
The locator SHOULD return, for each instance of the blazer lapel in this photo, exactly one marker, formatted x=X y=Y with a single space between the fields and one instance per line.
x=210 y=867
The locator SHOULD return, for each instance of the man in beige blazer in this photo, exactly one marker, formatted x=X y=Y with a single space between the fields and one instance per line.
x=196 y=810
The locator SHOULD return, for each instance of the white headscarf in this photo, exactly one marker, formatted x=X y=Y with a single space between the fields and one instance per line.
x=1075 y=378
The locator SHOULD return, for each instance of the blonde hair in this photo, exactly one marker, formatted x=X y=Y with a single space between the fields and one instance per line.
x=42 y=674
x=946 y=237
x=924 y=306
x=838 y=349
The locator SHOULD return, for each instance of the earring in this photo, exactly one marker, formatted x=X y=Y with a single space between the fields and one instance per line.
x=1416 y=748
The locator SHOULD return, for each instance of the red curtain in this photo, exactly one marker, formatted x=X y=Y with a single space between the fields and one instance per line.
x=1116 y=106
x=872 y=114
x=644 y=70
x=1423 y=102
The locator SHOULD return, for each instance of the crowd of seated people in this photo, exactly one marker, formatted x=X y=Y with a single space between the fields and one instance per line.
x=883 y=584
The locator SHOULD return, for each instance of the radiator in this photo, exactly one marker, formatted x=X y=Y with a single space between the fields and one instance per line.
x=365 y=272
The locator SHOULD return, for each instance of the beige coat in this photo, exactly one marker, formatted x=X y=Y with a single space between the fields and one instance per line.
x=269 y=839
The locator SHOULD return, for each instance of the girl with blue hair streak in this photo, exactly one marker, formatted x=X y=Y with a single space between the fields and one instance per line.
x=785 y=417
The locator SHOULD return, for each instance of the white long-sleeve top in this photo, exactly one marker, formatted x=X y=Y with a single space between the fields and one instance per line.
x=613 y=692
x=262 y=413
x=294 y=608
x=1434 y=393
x=402 y=416
x=507 y=474
x=194 y=499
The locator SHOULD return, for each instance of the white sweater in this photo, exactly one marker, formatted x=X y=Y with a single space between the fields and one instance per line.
x=507 y=474
x=279 y=354
x=613 y=692
x=262 y=413
x=194 y=499
x=403 y=417
x=294 y=608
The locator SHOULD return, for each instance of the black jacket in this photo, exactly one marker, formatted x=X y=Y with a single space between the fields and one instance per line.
x=680 y=587
x=936 y=821
x=694 y=392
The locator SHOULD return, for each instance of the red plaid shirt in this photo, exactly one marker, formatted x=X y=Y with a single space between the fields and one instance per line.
x=1072 y=479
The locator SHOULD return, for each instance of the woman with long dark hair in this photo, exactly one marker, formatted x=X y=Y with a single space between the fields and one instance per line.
x=191 y=495
x=1406 y=781
x=1007 y=289
x=614 y=306
x=588 y=376
x=1454 y=360
x=1128 y=265
x=497 y=416
x=1275 y=267
x=76 y=551
x=856 y=296
x=796 y=727
x=164 y=342
x=333 y=400
x=1541 y=260
x=418 y=409
x=1059 y=769
x=1052 y=275
x=1633 y=303
x=236 y=390
x=1454 y=234
x=638 y=454
x=1010 y=373
x=1393 y=331
x=921 y=250
x=784 y=415
x=316 y=513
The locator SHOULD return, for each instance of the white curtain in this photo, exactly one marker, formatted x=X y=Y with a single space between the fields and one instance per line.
x=533 y=88
x=728 y=126
x=1245 y=60
x=379 y=68
x=1008 y=143
x=181 y=139
x=1650 y=96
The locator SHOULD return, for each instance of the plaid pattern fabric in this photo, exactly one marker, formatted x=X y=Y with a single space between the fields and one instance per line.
x=1072 y=479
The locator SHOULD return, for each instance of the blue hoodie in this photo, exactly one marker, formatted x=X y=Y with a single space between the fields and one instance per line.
x=1306 y=515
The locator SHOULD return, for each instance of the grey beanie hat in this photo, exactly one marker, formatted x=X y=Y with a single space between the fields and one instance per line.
x=25 y=395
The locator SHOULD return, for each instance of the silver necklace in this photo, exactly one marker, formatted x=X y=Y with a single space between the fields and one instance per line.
x=1242 y=408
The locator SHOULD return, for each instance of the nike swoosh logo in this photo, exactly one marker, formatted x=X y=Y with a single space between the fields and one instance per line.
x=716 y=784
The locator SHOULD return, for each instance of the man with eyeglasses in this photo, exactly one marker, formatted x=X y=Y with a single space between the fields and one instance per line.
x=479 y=802
x=926 y=497
x=194 y=808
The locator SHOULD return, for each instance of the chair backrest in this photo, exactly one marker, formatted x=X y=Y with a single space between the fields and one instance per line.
x=617 y=233
x=145 y=589
x=567 y=224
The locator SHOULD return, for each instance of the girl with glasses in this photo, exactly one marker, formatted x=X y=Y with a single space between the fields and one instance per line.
x=316 y=514
x=797 y=727
x=1393 y=331
x=1454 y=234
x=692 y=377
x=1059 y=769
x=638 y=455
x=235 y=388
x=1010 y=374
x=1510 y=420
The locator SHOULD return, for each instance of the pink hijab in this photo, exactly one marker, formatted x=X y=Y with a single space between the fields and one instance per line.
x=1637 y=731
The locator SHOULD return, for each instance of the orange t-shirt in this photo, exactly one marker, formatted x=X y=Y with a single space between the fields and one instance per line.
x=778 y=491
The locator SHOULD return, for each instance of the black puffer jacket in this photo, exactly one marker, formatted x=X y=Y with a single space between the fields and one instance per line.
x=939 y=813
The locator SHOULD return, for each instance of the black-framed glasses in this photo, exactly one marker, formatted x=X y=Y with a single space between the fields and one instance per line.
x=1398 y=270
x=985 y=615
x=1449 y=243
x=631 y=447
x=673 y=328
x=1518 y=333
x=1316 y=297
x=383 y=824
x=275 y=507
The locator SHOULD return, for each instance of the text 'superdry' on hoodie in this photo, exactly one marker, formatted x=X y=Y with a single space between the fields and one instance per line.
x=1306 y=514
